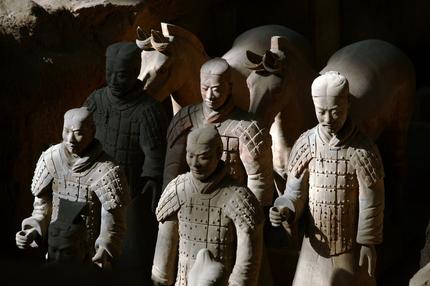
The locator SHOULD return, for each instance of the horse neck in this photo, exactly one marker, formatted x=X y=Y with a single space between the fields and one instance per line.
x=192 y=58
x=300 y=105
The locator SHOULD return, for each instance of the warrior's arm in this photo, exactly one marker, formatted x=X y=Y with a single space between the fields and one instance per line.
x=41 y=188
x=111 y=189
x=152 y=141
x=40 y=217
x=295 y=195
x=164 y=265
x=248 y=256
x=371 y=212
x=257 y=160
x=112 y=228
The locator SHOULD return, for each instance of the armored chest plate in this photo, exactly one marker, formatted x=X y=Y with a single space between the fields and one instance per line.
x=333 y=195
x=203 y=224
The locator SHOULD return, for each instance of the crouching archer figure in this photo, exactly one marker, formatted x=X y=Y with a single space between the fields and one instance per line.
x=80 y=198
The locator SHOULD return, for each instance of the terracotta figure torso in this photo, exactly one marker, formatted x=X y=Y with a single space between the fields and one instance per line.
x=246 y=147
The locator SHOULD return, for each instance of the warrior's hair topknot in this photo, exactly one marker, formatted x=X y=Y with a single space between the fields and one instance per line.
x=331 y=83
x=82 y=114
x=207 y=135
x=216 y=66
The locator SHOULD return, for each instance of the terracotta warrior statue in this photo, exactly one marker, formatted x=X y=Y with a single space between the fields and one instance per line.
x=131 y=127
x=80 y=198
x=336 y=174
x=246 y=145
x=207 y=208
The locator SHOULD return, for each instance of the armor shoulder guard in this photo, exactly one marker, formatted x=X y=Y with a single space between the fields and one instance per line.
x=367 y=161
x=45 y=171
x=243 y=208
x=153 y=122
x=170 y=201
x=253 y=137
x=91 y=101
x=111 y=187
x=301 y=153
x=181 y=123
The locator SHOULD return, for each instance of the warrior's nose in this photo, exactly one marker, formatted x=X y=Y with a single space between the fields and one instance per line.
x=209 y=94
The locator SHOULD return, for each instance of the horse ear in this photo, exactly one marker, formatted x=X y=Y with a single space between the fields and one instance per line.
x=141 y=34
x=143 y=40
x=159 y=41
x=271 y=62
x=158 y=37
x=255 y=59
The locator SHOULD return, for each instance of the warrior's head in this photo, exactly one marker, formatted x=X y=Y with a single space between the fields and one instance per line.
x=204 y=150
x=330 y=93
x=78 y=130
x=215 y=82
x=122 y=67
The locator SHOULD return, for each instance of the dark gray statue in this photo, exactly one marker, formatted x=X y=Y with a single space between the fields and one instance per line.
x=132 y=128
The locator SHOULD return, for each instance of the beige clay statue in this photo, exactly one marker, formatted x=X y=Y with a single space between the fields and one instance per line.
x=80 y=198
x=336 y=173
x=206 y=208
x=246 y=144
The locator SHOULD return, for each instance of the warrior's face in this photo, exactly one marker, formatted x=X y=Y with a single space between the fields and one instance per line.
x=122 y=67
x=331 y=112
x=215 y=90
x=202 y=159
x=120 y=80
x=77 y=134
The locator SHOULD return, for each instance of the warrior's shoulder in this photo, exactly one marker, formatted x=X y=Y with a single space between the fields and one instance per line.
x=110 y=184
x=181 y=123
x=95 y=99
x=365 y=156
x=242 y=205
x=172 y=198
x=301 y=153
x=46 y=169
x=251 y=133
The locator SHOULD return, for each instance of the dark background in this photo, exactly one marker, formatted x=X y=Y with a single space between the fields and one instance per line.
x=52 y=57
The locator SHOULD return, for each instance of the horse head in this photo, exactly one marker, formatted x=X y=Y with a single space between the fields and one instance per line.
x=171 y=61
x=267 y=80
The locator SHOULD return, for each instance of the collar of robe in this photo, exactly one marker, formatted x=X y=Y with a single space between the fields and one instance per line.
x=219 y=115
x=348 y=131
x=211 y=183
x=130 y=99
x=79 y=164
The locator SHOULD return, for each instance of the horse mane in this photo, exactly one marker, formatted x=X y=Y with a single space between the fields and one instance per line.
x=173 y=30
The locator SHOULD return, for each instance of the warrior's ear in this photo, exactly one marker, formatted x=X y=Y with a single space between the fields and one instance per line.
x=159 y=41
